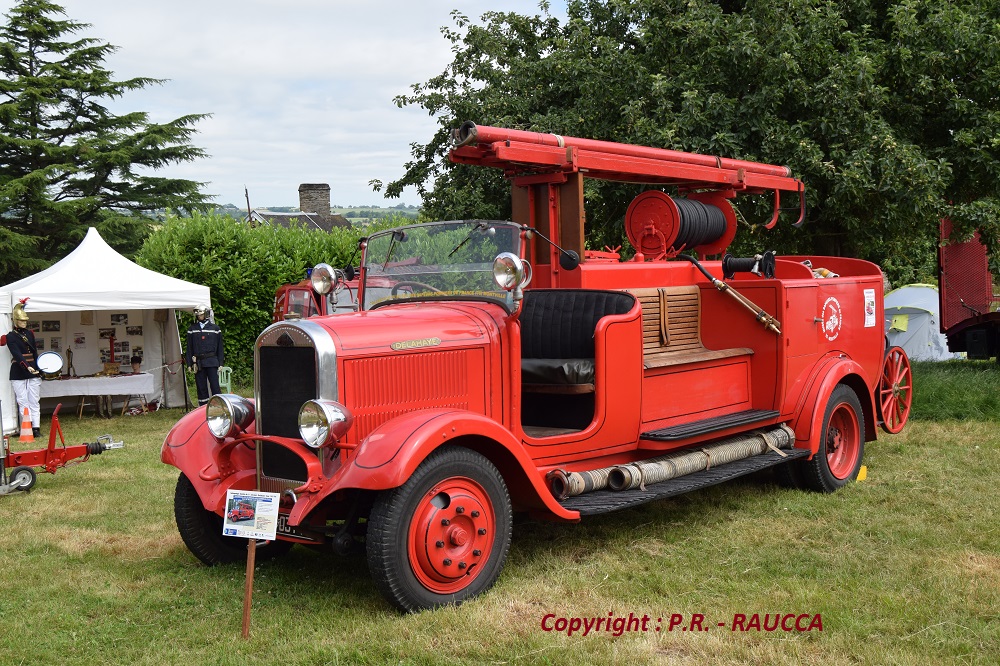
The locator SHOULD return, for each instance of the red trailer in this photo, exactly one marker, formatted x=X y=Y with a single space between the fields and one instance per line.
x=499 y=366
x=969 y=317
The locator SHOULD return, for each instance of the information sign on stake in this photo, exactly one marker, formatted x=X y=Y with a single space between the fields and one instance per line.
x=252 y=515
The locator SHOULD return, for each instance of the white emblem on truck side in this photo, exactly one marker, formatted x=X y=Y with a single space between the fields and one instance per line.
x=832 y=318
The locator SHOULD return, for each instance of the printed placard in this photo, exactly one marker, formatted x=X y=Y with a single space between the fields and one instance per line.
x=251 y=514
x=869 y=308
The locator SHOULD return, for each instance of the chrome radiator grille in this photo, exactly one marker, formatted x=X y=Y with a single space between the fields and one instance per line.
x=293 y=363
x=287 y=377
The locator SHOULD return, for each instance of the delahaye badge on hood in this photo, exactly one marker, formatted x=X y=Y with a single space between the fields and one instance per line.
x=415 y=344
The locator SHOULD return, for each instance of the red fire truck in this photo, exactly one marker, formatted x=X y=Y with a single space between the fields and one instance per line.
x=303 y=299
x=498 y=366
x=241 y=510
x=325 y=291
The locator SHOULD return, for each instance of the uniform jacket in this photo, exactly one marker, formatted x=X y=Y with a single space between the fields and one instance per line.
x=204 y=344
x=21 y=343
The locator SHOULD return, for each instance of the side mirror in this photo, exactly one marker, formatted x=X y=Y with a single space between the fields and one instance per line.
x=569 y=259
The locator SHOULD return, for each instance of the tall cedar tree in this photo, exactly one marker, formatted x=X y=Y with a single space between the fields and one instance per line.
x=888 y=110
x=66 y=162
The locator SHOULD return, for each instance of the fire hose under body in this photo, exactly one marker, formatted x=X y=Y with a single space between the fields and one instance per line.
x=671 y=465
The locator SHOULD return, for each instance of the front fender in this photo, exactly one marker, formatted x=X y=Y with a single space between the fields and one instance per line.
x=808 y=422
x=387 y=457
x=211 y=467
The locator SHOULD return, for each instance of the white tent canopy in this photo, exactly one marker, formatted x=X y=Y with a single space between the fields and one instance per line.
x=94 y=277
x=912 y=322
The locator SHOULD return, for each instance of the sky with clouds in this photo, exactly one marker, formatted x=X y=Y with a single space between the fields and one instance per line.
x=300 y=91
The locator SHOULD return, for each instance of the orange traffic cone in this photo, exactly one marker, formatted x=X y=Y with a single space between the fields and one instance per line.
x=26 y=434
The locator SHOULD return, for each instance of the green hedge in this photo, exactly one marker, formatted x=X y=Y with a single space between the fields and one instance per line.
x=243 y=266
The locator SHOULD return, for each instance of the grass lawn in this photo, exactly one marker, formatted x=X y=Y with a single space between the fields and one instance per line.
x=903 y=568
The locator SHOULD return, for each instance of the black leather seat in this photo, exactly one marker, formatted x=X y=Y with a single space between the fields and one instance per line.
x=557 y=333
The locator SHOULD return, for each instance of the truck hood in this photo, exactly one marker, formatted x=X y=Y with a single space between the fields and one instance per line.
x=407 y=326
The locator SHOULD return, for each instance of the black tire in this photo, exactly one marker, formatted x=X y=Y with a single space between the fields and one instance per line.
x=201 y=531
x=842 y=448
x=452 y=561
x=26 y=475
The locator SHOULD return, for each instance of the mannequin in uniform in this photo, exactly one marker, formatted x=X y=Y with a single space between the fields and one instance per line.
x=204 y=354
x=25 y=378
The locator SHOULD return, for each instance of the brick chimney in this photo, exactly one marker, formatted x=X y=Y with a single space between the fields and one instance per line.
x=314 y=198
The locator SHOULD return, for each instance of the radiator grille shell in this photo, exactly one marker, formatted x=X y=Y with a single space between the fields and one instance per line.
x=293 y=362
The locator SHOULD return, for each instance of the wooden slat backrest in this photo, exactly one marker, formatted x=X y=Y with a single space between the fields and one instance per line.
x=671 y=328
x=675 y=330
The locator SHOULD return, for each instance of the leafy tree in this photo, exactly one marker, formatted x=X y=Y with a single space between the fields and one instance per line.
x=67 y=162
x=888 y=111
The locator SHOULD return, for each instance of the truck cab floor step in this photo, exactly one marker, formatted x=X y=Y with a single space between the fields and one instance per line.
x=704 y=426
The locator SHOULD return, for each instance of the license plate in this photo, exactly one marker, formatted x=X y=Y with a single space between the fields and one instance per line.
x=288 y=530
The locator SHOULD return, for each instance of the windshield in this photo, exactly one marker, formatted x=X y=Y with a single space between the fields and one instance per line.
x=438 y=260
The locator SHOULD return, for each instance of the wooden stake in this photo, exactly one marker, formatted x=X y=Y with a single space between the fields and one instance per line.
x=248 y=592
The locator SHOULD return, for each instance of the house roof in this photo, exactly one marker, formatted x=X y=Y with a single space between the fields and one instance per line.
x=310 y=220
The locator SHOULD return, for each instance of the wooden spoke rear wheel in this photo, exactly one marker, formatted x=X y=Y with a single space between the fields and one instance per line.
x=895 y=390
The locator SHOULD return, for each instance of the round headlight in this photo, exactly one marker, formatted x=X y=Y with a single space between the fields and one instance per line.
x=228 y=415
x=323 y=422
x=324 y=278
x=510 y=271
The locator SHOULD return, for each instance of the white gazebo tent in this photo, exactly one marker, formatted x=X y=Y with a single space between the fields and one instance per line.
x=89 y=292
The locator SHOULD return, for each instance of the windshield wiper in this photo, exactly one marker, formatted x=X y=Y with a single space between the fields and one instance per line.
x=396 y=235
x=479 y=227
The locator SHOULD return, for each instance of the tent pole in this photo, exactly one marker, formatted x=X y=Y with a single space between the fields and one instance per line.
x=164 y=368
x=183 y=369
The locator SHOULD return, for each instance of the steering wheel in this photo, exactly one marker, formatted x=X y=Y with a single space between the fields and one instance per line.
x=412 y=285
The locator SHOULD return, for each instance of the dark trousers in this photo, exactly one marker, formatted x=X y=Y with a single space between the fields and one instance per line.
x=205 y=378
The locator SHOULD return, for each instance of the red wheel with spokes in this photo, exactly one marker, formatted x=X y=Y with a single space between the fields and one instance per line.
x=842 y=447
x=442 y=537
x=895 y=390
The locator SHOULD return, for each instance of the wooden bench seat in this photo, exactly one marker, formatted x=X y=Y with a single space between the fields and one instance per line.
x=671 y=328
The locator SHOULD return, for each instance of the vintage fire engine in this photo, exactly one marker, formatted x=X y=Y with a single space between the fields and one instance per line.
x=241 y=511
x=457 y=395
x=301 y=300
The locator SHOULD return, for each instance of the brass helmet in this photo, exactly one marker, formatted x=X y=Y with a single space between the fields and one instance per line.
x=19 y=316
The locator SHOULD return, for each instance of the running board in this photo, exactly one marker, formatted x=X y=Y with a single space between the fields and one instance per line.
x=605 y=501
x=705 y=426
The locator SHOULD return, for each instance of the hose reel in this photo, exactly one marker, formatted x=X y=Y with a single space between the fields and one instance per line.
x=660 y=226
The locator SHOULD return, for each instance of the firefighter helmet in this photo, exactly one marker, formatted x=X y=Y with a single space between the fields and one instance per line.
x=19 y=316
